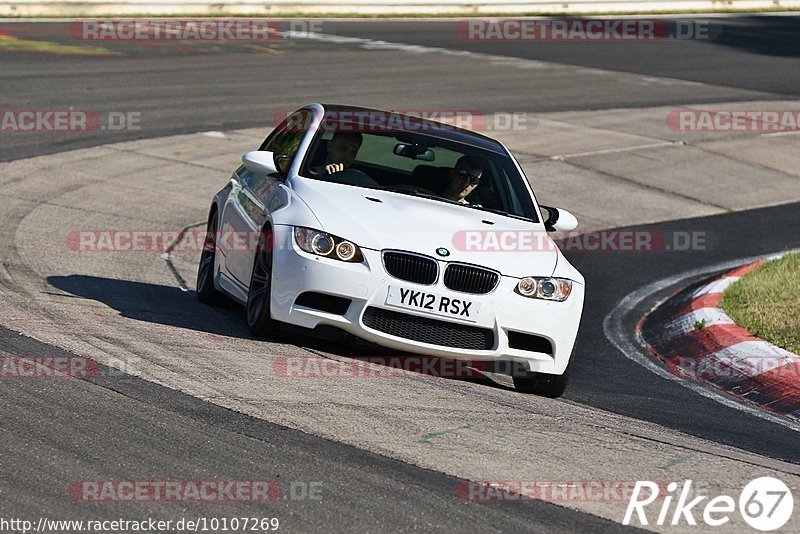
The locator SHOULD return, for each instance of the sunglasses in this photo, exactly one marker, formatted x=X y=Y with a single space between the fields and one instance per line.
x=473 y=179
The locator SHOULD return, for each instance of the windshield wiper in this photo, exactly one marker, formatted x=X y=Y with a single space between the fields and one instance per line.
x=500 y=212
x=414 y=193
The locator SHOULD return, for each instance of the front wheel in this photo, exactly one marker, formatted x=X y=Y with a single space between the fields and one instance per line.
x=259 y=319
x=545 y=385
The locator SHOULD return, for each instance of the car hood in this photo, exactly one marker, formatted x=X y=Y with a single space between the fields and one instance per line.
x=375 y=219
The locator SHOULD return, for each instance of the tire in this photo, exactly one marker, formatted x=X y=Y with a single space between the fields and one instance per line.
x=541 y=384
x=206 y=292
x=259 y=319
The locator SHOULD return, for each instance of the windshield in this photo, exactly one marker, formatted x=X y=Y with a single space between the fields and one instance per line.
x=420 y=164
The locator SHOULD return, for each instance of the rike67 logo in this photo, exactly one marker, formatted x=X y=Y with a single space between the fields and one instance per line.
x=765 y=504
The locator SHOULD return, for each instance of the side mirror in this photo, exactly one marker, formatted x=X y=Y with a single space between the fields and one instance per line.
x=259 y=161
x=559 y=220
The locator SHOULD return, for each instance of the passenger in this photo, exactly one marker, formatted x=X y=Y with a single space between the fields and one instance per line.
x=464 y=178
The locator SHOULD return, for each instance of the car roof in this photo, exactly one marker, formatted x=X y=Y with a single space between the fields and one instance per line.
x=427 y=126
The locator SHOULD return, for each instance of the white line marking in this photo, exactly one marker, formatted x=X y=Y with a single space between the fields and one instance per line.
x=615 y=150
x=781 y=134
x=214 y=134
x=635 y=351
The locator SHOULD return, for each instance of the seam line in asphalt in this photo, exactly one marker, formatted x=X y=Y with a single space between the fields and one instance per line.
x=72 y=208
x=162 y=158
x=737 y=159
x=647 y=186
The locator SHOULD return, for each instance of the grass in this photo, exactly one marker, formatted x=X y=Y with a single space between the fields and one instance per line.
x=766 y=301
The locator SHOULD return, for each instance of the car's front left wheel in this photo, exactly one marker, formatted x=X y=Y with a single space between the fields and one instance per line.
x=259 y=318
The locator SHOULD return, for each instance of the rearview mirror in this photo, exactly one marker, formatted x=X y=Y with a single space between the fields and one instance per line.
x=559 y=220
x=414 y=152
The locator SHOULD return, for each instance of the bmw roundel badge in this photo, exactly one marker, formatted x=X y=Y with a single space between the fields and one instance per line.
x=441 y=251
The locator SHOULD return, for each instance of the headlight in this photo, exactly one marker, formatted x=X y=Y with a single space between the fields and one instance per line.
x=557 y=289
x=327 y=245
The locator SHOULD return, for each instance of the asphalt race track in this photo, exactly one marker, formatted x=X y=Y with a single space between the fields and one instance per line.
x=392 y=459
x=220 y=87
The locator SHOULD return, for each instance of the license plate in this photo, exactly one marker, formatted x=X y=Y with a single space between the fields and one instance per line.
x=433 y=303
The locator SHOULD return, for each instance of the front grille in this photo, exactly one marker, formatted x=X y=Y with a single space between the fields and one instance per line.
x=429 y=331
x=411 y=267
x=470 y=279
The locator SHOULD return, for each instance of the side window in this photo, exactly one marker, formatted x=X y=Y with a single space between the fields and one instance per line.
x=286 y=138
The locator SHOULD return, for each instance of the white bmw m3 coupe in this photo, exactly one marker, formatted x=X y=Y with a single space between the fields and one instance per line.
x=405 y=232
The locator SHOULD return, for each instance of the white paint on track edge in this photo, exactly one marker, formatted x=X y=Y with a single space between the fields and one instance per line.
x=636 y=351
x=511 y=61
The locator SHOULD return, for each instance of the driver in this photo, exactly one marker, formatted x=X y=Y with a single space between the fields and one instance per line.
x=464 y=177
x=342 y=150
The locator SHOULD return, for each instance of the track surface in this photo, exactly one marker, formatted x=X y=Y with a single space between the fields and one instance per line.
x=112 y=426
x=223 y=87
x=203 y=86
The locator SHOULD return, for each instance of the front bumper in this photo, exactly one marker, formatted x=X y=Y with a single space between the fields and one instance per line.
x=367 y=285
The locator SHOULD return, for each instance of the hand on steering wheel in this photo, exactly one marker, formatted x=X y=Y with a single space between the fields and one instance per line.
x=331 y=168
